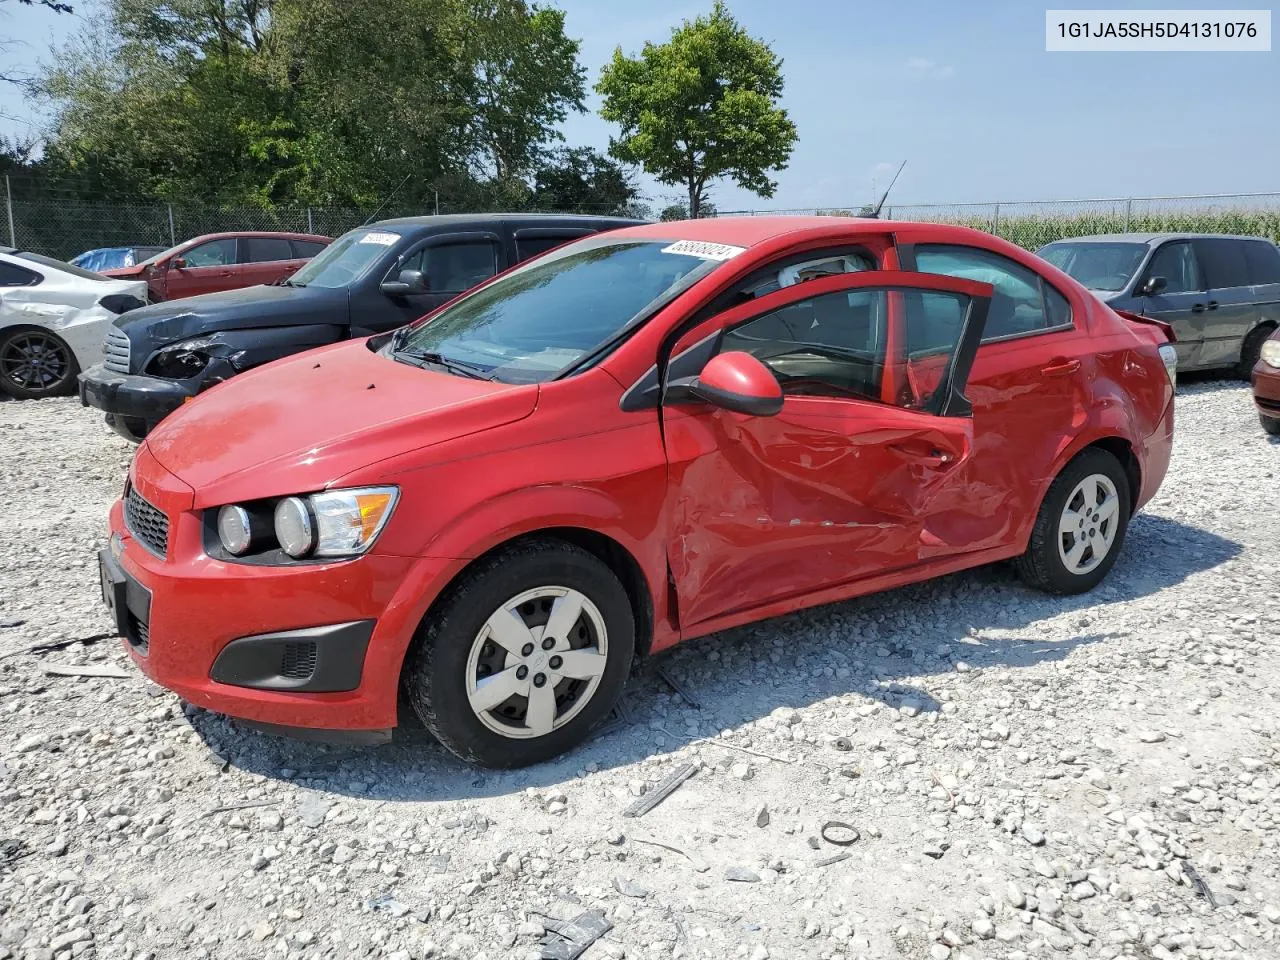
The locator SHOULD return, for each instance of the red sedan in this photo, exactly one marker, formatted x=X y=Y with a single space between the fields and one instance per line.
x=638 y=438
x=223 y=261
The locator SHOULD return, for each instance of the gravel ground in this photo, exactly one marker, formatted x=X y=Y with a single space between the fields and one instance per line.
x=1027 y=776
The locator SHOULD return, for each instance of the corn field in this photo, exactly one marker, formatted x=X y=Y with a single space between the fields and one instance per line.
x=64 y=227
x=1032 y=224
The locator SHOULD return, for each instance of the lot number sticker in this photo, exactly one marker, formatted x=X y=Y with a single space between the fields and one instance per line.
x=704 y=251
x=381 y=239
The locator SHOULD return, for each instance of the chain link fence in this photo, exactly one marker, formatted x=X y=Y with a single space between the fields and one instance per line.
x=64 y=227
x=1033 y=223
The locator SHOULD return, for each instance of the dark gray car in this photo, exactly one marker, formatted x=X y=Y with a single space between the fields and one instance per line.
x=1221 y=294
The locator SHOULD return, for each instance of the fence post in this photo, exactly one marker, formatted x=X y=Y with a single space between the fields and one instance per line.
x=1128 y=211
x=995 y=228
x=310 y=229
x=172 y=239
x=8 y=202
x=890 y=216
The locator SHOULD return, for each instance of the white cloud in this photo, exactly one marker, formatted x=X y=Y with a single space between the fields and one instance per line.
x=929 y=68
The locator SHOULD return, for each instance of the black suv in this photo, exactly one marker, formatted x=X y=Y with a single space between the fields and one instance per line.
x=371 y=279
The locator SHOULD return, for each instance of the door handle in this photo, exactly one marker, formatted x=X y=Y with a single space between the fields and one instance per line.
x=1197 y=308
x=1060 y=367
x=1213 y=304
x=931 y=456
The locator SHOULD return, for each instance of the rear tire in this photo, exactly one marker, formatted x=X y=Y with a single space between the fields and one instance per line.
x=521 y=657
x=1270 y=424
x=1081 y=526
x=1251 y=349
x=36 y=363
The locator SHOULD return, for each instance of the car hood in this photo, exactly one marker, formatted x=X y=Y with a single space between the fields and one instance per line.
x=298 y=424
x=135 y=271
x=259 y=306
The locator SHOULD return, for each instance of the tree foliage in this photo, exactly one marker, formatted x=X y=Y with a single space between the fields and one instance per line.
x=584 y=179
x=323 y=102
x=700 y=107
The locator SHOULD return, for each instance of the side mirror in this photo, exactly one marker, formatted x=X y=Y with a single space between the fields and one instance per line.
x=177 y=263
x=739 y=382
x=409 y=282
x=1153 y=286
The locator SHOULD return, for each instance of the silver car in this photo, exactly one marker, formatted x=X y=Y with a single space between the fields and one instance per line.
x=1221 y=294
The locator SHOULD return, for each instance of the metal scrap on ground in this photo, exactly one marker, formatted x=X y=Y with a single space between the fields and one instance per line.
x=569 y=939
x=661 y=792
x=86 y=670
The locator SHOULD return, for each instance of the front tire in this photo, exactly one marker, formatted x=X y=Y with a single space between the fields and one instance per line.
x=1081 y=526
x=1251 y=350
x=522 y=656
x=35 y=364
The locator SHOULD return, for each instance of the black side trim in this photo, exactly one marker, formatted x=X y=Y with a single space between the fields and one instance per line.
x=355 y=738
x=263 y=662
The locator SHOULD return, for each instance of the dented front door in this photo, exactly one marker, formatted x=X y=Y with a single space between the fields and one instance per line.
x=841 y=484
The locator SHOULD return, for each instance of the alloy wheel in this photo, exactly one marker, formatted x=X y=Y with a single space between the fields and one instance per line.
x=536 y=662
x=1088 y=525
x=35 y=361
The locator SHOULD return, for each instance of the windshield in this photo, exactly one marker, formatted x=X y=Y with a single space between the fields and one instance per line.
x=61 y=265
x=545 y=316
x=1098 y=266
x=346 y=259
x=163 y=255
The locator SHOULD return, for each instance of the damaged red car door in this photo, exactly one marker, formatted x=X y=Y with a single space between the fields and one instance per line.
x=841 y=483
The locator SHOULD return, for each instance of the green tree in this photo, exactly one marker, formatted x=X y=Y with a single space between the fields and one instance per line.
x=325 y=102
x=680 y=211
x=700 y=107
x=584 y=180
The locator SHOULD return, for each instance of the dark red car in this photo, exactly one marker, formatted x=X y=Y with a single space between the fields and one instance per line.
x=223 y=261
x=638 y=438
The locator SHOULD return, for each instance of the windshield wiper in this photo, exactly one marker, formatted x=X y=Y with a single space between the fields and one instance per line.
x=459 y=367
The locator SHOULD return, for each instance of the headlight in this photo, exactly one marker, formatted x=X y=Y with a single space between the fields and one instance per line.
x=181 y=361
x=235 y=531
x=336 y=523
x=1271 y=353
x=1170 y=357
x=294 y=530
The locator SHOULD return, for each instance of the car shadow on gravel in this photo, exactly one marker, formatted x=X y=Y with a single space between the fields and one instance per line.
x=890 y=648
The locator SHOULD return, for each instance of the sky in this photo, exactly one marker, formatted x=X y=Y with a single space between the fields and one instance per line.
x=964 y=92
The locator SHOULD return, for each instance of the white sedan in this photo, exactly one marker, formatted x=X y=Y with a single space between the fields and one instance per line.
x=53 y=320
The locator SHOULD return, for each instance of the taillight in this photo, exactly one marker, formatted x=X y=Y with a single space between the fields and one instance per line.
x=120 y=302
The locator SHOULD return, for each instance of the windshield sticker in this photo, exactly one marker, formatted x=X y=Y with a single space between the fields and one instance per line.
x=381 y=239
x=703 y=250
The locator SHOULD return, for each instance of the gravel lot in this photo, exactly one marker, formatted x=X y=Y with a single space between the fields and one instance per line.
x=1028 y=776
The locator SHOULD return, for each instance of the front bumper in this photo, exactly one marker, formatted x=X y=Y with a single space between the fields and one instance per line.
x=1266 y=389
x=140 y=399
x=207 y=618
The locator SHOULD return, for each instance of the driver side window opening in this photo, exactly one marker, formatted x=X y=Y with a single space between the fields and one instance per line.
x=1176 y=262
x=452 y=267
x=881 y=345
x=216 y=253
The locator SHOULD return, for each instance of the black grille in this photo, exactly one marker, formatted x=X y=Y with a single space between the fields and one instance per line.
x=299 y=661
x=139 y=635
x=1267 y=403
x=145 y=522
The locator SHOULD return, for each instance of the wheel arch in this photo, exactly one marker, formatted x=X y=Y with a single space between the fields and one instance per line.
x=1122 y=450
x=608 y=550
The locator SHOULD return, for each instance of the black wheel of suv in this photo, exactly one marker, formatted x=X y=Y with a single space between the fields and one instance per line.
x=35 y=364
x=522 y=656
x=1081 y=526
x=1269 y=424
x=1251 y=349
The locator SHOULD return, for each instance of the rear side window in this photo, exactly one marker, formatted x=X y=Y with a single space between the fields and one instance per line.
x=1223 y=262
x=12 y=276
x=1263 y=260
x=1023 y=302
x=305 y=249
x=266 y=249
x=1177 y=263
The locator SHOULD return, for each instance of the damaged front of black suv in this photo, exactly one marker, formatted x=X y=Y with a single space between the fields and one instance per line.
x=159 y=357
